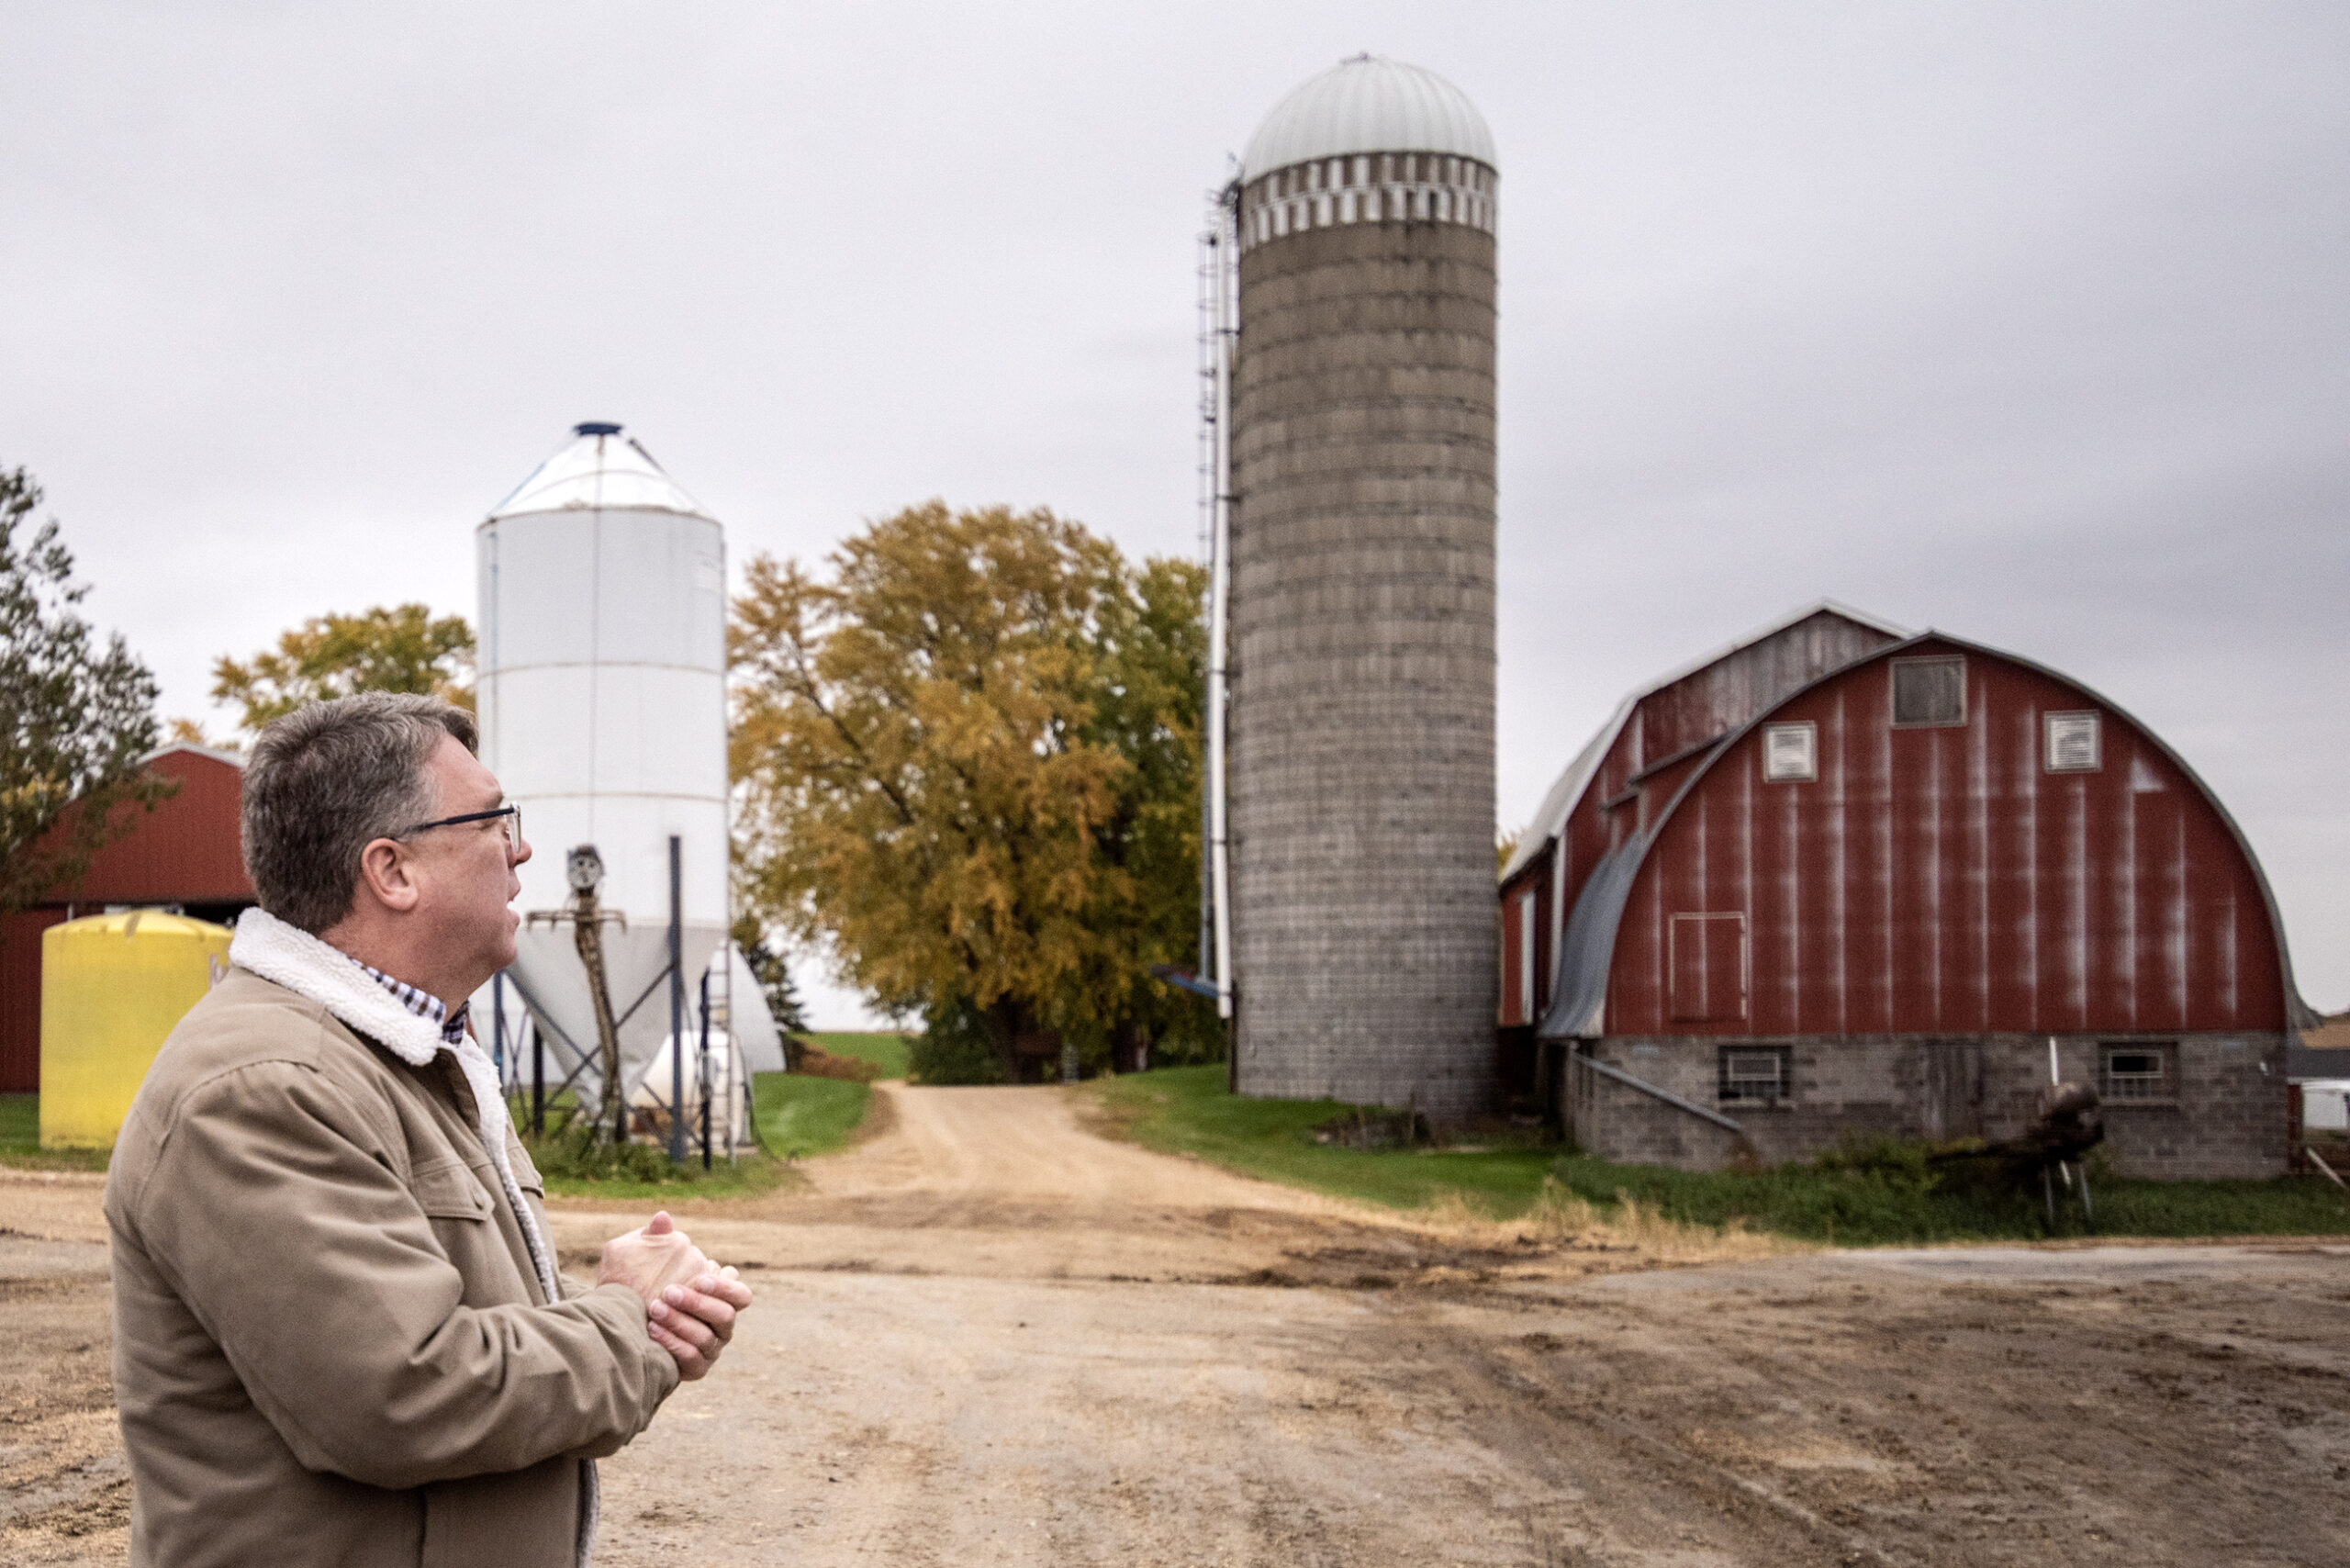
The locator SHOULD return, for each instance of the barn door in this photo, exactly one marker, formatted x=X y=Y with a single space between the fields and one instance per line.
x=1709 y=965
x=1951 y=1096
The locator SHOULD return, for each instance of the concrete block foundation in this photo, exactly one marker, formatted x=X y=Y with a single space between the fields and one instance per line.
x=2223 y=1113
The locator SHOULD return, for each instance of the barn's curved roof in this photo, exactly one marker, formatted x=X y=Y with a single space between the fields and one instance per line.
x=1368 y=104
x=1559 y=802
x=1587 y=949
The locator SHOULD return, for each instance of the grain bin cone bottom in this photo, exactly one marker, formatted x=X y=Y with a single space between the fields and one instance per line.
x=1361 y=631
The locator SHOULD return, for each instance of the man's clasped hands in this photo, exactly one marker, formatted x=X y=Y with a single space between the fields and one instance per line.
x=689 y=1302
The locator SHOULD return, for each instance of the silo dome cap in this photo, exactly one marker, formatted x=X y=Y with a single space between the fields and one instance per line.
x=1368 y=104
x=601 y=470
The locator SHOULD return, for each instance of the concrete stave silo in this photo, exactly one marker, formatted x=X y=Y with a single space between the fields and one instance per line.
x=602 y=669
x=1361 y=636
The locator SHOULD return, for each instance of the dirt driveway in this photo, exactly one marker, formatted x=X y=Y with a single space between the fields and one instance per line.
x=986 y=1336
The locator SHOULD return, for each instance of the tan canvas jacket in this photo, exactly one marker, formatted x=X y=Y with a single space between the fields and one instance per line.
x=331 y=1340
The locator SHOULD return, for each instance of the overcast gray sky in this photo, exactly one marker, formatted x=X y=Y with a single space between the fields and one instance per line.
x=2027 y=321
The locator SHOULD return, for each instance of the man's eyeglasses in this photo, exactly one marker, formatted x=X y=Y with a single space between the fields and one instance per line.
x=513 y=815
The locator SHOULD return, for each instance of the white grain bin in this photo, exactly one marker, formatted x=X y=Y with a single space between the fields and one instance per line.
x=728 y=1115
x=602 y=699
x=745 y=1016
x=2325 y=1104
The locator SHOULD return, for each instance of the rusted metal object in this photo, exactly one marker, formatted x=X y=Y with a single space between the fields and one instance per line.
x=2071 y=1123
x=585 y=870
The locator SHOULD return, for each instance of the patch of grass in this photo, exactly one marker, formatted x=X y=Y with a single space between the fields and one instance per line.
x=884 y=1049
x=1889 y=1195
x=20 y=1140
x=573 y=1167
x=1186 y=1111
x=800 y=1115
x=1882 y=1194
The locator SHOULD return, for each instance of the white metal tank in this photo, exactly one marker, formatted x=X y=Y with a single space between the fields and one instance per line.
x=730 y=1117
x=602 y=699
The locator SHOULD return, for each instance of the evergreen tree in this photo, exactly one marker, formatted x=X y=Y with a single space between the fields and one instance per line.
x=770 y=965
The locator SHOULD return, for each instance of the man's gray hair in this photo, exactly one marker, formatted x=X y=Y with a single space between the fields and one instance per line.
x=324 y=781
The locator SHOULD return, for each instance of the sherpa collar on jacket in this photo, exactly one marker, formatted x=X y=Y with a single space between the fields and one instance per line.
x=289 y=956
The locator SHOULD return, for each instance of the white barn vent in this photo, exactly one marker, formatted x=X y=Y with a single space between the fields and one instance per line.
x=1791 y=753
x=2073 y=743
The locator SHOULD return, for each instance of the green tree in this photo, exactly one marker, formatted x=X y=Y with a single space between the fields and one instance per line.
x=403 y=648
x=1150 y=647
x=969 y=759
x=958 y=1045
x=771 y=967
x=79 y=716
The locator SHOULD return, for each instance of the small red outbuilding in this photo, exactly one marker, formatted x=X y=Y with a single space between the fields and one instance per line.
x=184 y=855
x=1841 y=880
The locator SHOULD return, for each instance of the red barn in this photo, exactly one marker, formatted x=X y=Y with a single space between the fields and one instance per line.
x=184 y=855
x=1841 y=880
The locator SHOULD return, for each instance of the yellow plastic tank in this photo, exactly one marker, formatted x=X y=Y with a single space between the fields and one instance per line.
x=111 y=987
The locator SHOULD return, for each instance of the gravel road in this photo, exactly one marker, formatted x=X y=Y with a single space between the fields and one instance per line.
x=987 y=1336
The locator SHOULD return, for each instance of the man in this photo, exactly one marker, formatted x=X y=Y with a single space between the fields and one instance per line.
x=339 y=1332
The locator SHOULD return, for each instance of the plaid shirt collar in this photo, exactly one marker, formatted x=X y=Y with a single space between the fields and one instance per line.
x=422 y=1003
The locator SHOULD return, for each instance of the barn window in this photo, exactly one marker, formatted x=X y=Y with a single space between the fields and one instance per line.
x=1930 y=691
x=1754 y=1075
x=2071 y=745
x=1791 y=753
x=2138 y=1073
x=1708 y=968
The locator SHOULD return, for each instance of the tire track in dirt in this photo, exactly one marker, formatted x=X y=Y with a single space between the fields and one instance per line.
x=1015 y=1342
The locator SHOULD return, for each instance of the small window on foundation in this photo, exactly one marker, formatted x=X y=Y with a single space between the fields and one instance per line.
x=2138 y=1074
x=1928 y=691
x=1754 y=1075
x=1791 y=753
x=2072 y=743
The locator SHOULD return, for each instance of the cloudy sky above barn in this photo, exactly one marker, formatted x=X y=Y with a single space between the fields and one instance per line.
x=2025 y=321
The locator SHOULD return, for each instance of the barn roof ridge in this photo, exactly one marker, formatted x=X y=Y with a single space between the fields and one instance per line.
x=228 y=754
x=1575 y=1012
x=1771 y=629
x=1559 y=801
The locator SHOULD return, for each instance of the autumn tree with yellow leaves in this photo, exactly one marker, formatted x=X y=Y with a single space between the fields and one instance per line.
x=968 y=762
x=398 y=649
